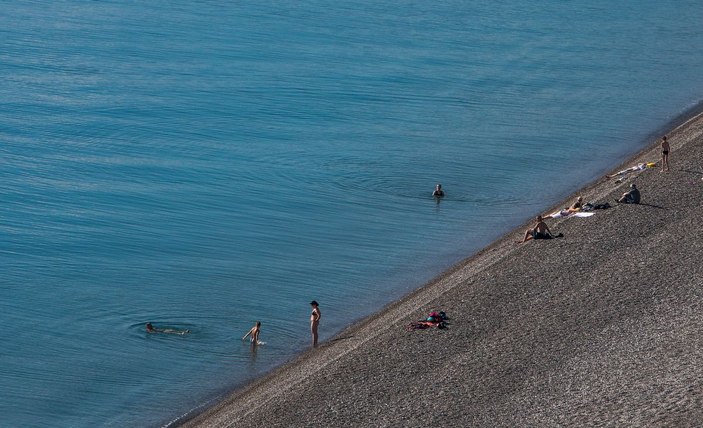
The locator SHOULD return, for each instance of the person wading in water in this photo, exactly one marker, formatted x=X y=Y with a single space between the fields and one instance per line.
x=314 y=321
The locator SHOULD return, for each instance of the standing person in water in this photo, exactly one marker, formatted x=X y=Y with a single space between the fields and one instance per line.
x=438 y=192
x=314 y=321
x=665 y=153
x=254 y=333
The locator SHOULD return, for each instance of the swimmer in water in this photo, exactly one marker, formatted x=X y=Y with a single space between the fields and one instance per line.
x=438 y=192
x=254 y=333
x=151 y=329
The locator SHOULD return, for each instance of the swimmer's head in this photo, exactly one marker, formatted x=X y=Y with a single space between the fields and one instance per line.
x=314 y=303
x=149 y=327
x=258 y=323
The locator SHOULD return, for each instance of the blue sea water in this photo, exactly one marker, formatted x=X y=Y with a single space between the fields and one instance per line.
x=203 y=165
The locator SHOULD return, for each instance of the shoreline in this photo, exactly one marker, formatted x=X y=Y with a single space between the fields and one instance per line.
x=524 y=322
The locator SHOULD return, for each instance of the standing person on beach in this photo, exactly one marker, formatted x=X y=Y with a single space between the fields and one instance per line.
x=254 y=333
x=665 y=153
x=314 y=321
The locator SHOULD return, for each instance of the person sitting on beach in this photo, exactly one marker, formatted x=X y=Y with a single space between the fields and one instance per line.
x=631 y=197
x=254 y=333
x=576 y=206
x=151 y=329
x=540 y=231
x=438 y=192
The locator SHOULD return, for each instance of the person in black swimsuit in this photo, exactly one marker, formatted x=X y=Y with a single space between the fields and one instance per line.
x=540 y=231
x=314 y=321
x=665 y=153
x=438 y=192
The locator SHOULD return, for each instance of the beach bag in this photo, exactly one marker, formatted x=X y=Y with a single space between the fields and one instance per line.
x=434 y=317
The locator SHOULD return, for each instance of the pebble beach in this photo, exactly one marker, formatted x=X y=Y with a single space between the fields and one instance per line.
x=599 y=327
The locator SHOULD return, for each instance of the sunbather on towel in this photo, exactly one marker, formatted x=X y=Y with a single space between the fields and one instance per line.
x=435 y=319
x=638 y=167
x=576 y=206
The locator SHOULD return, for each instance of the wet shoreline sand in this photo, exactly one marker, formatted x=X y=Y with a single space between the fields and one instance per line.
x=600 y=327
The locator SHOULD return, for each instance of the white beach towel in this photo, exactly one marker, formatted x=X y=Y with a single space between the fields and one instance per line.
x=566 y=213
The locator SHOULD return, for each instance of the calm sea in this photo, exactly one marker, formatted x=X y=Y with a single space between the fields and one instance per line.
x=203 y=165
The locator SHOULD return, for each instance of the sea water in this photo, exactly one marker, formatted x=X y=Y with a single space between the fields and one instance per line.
x=204 y=165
